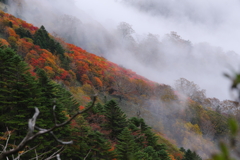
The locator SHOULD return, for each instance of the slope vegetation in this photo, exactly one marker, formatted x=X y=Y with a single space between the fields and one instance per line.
x=190 y=120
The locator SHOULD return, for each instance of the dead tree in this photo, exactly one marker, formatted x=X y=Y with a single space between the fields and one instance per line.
x=41 y=131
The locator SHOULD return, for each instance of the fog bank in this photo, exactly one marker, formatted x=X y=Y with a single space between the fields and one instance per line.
x=202 y=47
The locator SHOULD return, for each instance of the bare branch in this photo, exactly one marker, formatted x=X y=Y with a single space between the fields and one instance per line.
x=69 y=142
x=36 y=154
x=56 y=154
x=54 y=114
x=18 y=157
x=9 y=135
x=31 y=124
x=43 y=154
x=87 y=154
x=58 y=157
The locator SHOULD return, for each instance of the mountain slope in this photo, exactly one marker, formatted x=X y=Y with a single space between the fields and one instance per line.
x=72 y=67
x=177 y=117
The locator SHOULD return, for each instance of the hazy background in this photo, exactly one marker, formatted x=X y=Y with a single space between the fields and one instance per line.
x=163 y=40
x=204 y=44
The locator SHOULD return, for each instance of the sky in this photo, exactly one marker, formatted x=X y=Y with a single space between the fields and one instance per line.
x=213 y=21
x=211 y=26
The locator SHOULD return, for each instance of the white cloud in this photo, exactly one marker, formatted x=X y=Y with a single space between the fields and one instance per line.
x=215 y=22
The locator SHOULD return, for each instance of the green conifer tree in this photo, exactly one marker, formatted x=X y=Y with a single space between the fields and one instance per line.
x=22 y=32
x=53 y=94
x=161 y=151
x=189 y=155
x=116 y=119
x=19 y=93
x=126 y=146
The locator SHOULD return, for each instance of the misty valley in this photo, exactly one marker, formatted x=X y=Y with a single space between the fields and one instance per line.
x=127 y=80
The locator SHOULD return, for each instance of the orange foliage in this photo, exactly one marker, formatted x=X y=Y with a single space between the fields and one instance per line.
x=85 y=67
x=87 y=98
x=23 y=47
x=97 y=82
x=48 y=68
x=85 y=79
x=3 y=42
x=178 y=155
x=112 y=148
x=11 y=32
x=81 y=108
x=49 y=71
x=172 y=157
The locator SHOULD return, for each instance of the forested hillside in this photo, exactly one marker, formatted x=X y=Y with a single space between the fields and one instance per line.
x=102 y=133
x=41 y=70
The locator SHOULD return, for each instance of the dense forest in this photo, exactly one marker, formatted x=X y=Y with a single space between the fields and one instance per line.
x=133 y=117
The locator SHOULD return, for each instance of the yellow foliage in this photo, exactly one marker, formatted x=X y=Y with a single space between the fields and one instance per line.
x=79 y=95
x=72 y=74
x=194 y=128
x=88 y=89
x=49 y=71
x=172 y=158
x=12 y=40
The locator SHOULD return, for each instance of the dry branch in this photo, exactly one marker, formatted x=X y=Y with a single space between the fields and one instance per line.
x=31 y=126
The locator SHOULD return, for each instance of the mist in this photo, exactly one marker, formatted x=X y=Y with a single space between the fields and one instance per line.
x=158 y=39
x=203 y=46
x=208 y=31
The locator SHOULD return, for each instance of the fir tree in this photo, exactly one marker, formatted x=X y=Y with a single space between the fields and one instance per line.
x=19 y=92
x=88 y=144
x=41 y=38
x=126 y=146
x=161 y=151
x=151 y=153
x=100 y=147
x=53 y=94
x=22 y=32
x=98 y=108
x=116 y=119
x=189 y=155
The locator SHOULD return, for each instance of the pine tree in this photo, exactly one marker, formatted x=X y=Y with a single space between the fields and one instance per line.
x=98 y=108
x=151 y=138
x=53 y=94
x=41 y=38
x=19 y=93
x=151 y=153
x=116 y=119
x=126 y=146
x=189 y=155
x=161 y=151
x=22 y=32
x=88 y=144
x=139 y=137
x=100 y=147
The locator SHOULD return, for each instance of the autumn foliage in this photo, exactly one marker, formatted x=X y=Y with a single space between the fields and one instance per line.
x=87 y=68
x=85 y=74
